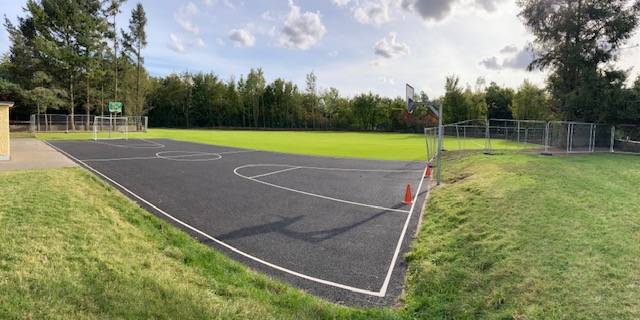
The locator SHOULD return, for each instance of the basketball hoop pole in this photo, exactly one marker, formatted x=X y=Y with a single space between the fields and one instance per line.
x=438 y=112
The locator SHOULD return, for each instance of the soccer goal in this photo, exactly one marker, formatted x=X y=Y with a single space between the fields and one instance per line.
x=110 y=128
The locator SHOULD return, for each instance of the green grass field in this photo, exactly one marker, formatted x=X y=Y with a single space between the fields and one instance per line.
x=391 y=146
x=386 y=146
x=506 y=236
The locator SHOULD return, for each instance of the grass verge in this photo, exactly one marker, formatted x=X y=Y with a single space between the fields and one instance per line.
x=72 y=246
x=530 y=237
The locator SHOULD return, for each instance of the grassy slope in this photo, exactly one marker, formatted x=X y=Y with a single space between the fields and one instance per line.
x=83 y=250
x=530 y=237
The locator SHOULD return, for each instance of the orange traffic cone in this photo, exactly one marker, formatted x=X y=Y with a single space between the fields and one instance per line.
x=427 y=173
x=407 y=197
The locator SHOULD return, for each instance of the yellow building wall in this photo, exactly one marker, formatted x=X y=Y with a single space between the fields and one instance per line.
x=4 y=133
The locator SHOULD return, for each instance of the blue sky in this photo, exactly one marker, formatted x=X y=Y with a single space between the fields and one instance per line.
x=353 y=45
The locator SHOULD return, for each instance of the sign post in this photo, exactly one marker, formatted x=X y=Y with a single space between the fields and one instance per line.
x=114 y=107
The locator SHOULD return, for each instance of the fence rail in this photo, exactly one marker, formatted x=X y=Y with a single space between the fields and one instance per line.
x=78 y=123
x=553 y=137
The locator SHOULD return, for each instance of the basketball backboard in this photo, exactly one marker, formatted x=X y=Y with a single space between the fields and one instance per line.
x=410 y=98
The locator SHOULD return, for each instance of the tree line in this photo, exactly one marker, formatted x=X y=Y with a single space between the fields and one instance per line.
x=69 y=56
x=205 y=100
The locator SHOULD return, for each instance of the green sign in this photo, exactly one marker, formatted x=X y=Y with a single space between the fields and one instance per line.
x=115 y=107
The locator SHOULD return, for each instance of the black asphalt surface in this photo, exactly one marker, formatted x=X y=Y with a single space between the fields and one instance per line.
x=330 y=226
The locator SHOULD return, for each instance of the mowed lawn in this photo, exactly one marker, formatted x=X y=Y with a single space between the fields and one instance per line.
x=505 y=236
x=530 y=237
x=386 y=146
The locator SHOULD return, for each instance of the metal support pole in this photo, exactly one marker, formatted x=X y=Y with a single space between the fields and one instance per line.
x=592 y=139
x=518 y=143
x=546 y=137
x=440 y=144
x=613 y=138
x=426 y=138
x=568 y=137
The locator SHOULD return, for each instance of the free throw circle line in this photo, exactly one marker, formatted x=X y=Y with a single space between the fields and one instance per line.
x=312 y=194
x=187 y=156
x=333 y=169
x=275 y=172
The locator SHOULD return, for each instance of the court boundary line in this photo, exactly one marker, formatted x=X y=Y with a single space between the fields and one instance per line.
x=381 y=293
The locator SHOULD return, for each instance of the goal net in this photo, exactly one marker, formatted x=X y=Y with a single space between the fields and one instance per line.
x=110 y=128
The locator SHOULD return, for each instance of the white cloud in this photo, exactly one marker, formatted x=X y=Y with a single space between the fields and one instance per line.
x=242 y=38
x=301 y=30
x=340 y=3
x=268 y=15
x=518 y=59
x=199 y=43
x=375 y=13
x=332 y=53
x=390 y=81
x=388 y=48
x=184 y=17
x=509 y=49
x=437 y=10
x=176 y=43
x=210 y=3
x=489 y=5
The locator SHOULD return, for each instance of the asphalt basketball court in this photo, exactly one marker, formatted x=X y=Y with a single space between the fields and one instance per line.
x=334 y=227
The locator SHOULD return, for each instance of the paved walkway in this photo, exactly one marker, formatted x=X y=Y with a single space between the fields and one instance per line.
x=34 y=154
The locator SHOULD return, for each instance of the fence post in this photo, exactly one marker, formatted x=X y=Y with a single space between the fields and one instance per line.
x=487 y=136
x=592 y=139
x=613 y=138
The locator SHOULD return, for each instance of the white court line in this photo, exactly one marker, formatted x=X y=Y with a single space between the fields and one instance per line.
x=291 y=272
x=241 y=151
x=333 y=169
x=275 y=172
x=165 y=158
x=313 y=194
x=121 y=159
x=157 y=145
x=381 y=293
x=387 y=280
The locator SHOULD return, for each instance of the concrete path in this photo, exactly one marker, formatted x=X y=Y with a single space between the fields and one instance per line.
x=34 y=154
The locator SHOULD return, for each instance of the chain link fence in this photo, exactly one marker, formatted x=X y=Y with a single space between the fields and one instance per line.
x=78 y=123
x=526 y=136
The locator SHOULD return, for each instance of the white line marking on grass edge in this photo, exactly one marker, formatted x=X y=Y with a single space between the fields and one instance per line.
x=314 y=194
x=291 y=272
